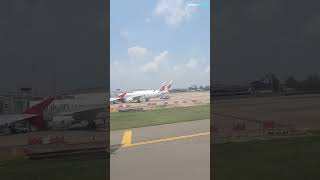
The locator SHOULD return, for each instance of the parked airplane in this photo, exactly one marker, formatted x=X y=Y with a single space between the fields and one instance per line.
x=166 y=91
x=138 y=96
x=88 y=110
x=119 y=98
x=168 y=87
x=33 y=116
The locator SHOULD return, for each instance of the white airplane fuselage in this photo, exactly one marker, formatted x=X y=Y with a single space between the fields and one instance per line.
x=60 y=112
x=146 y=94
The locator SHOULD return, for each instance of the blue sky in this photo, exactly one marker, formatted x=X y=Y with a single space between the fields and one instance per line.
x=153 y=41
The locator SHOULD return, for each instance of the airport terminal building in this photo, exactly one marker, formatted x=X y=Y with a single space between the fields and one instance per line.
x=12 y=104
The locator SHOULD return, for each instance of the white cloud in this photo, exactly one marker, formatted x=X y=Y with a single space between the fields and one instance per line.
x=153 y=65
x=192 y=71
x=174 y=12
x=137 y=52
x=162 y=56
x=123 y=73
x=177 y=68
x=193 y=63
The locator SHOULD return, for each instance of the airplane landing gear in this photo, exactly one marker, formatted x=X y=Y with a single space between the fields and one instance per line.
x=92 y=124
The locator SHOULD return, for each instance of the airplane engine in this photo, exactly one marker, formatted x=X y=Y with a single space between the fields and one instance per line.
x=130 y=99
x=61 y=121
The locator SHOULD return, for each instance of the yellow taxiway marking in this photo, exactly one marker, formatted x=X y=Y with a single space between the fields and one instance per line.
x=126 y=141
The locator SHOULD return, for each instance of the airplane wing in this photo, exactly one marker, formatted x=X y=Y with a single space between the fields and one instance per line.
x=97 y=116
x=114 y=99
x=137 y=97
x=86 y=114
x=134 y=98
x=8 y=119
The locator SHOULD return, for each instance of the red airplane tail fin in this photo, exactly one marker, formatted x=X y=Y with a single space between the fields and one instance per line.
x=40 y=107
x=162 y=88
x=121 y=96
x=168 y=87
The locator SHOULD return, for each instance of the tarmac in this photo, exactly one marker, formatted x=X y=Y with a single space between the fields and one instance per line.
x=171 y=151
x=17 y=146
x=180 y=99
x=75 y=136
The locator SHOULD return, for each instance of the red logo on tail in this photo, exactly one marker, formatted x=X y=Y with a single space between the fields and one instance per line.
x=38 y=109
x=121 y=96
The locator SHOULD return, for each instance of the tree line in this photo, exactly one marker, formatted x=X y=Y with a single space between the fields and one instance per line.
x=196 y=88
x=271 y=82
x=311 y=83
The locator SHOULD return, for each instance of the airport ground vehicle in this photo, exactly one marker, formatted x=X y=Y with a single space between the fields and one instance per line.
x=164 y=96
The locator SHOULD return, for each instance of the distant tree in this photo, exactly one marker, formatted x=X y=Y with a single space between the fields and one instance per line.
x=291 y=82
x=201 y=87
x=275 y=84
x=205 y=88
x=311 y=83
x=257 y=85
x=193 y=87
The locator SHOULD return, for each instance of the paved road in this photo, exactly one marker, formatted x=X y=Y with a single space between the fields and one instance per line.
x=177 y=155
x=69 y=137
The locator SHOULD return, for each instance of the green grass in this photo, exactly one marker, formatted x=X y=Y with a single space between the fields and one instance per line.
x=57 y=169
x=292 y=158
x=124 y=120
